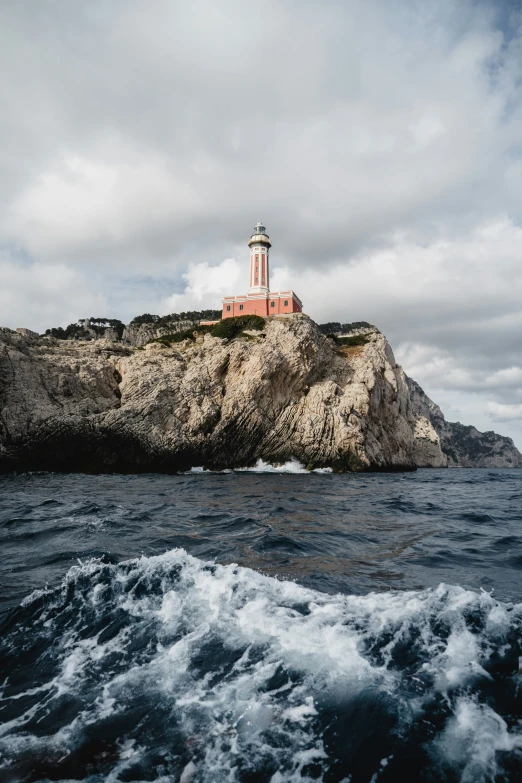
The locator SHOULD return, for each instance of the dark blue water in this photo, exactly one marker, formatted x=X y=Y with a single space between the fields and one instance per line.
x=260 y=626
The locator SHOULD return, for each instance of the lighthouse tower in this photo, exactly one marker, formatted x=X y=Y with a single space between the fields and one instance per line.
x=260 y=300
x=259 y=245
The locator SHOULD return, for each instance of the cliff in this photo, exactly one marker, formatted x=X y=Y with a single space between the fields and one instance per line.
x=284 y=392
x=464 y=446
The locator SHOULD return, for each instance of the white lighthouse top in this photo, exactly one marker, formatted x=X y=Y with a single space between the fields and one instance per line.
x=260 y=235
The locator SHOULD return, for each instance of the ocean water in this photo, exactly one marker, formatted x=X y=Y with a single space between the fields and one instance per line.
x=264 y=625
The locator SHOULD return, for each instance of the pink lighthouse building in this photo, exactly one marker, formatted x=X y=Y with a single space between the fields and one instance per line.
x=260 y=300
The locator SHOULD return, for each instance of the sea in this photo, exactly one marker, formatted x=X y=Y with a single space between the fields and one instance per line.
x=270 y=624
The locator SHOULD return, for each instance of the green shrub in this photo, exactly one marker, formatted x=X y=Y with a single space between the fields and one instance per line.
x=115 y=323
x=75 y=331
x=70 y=332
x=330 y=327
x=177 y=337
x=356 y=339
x=232 y=327
x=336 y=326
x=203 y=329
x=99 y=325
x=356 y=325
x=191 y=315
x=146 y=318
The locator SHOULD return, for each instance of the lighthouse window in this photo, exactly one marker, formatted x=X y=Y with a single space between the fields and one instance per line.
x=240 y=307
x=272 y=304
x=286 y=302
x=228 y=308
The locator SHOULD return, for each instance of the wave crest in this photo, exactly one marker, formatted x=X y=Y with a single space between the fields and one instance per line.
x=208 y=672
x=292 y=466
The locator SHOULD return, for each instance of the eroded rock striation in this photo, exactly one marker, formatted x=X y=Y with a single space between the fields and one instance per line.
x=139 y=335
x=463 y=445
x=286 y=392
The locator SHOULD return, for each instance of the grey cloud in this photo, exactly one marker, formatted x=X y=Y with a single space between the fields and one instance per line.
x=339 y=123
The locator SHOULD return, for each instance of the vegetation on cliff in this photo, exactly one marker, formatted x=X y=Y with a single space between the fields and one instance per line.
x=336 y=327
x=184 y=334
x=229 y=328
x=78 y=330
x=233 y=327
x=352 y=340
x=69 y=333
x=92 y=327
x=162 y=320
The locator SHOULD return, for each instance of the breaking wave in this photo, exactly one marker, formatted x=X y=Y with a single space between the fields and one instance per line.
x=170 y=668
x=292 y=466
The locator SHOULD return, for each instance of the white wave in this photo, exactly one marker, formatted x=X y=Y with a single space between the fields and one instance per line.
x=201 y=469
x=292 y=466
x=473 y=738
x=243 y=667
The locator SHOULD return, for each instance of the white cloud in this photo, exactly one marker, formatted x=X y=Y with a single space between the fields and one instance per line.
x=206 y=286
x=88 y=205
x=471 y=282
x=501 y=412
x=365 y=119
x=37 y=296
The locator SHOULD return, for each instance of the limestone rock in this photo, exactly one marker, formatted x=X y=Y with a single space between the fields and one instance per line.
x=427 y=450
x=141 y=334
x=28 y=333
x=287 y=392
x=464 y=446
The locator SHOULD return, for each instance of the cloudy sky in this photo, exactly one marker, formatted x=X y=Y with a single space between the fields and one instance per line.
x=380 y=141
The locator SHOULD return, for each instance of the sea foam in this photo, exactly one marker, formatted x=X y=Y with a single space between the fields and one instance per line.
x=200 y=672
x=292 y=466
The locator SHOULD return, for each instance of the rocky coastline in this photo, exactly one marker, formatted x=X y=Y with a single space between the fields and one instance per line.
x=284 y=392
x=463 y=445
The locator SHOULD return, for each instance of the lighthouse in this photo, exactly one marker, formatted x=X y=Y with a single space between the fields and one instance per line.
x=260 y=300
x=259 y=244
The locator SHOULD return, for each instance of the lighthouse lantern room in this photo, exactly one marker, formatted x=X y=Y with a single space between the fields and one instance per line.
x=260 y=300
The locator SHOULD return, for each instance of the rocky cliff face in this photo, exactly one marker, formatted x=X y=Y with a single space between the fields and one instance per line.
x=286 y=392
x=464 y=446
x=141 y=334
